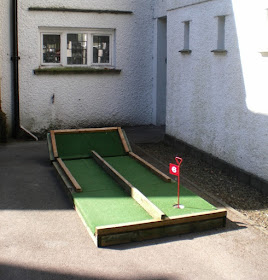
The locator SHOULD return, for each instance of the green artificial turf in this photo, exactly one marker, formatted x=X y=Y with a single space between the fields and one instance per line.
x=102 y=201
x=79 y=145
x=162 y=194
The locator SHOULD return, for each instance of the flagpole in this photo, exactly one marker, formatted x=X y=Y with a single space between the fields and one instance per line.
x=179 y=161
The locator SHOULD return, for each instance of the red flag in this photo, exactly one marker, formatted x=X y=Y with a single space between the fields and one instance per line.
x=173 y=169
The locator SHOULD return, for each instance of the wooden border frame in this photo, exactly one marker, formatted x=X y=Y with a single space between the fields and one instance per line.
x=158 y=231
x=54 y=145
x=140 y=198
x=183 y=219
x=157 y=172
x=87 y=130
x=69 y=175
x=124 y=142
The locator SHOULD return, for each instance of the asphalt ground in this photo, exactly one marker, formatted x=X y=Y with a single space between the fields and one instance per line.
x=42 y=237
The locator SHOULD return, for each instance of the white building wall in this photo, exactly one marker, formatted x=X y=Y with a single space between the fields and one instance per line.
x=1 y=43
x=218 y=102
x=5 y=61
x=87 y=100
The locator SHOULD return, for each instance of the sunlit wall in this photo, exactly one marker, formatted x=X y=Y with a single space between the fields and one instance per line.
x=217 y=90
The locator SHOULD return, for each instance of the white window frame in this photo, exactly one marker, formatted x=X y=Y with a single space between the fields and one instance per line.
x=63 y=48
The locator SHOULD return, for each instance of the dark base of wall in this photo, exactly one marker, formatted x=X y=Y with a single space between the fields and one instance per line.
x=3 y=127
x=227 y=168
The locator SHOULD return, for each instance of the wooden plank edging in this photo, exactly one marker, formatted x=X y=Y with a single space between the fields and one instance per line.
x=49 y=145
x=53 y=141
x=147 y=224
x=124 y=142
x=85 y=130
x=141 y=199
x=69 y=175
x=159 y=232
x=151 y=167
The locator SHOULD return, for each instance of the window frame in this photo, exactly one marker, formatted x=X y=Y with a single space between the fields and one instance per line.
x=63 y=45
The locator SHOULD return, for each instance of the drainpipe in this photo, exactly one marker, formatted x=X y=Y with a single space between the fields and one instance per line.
x=15 y=59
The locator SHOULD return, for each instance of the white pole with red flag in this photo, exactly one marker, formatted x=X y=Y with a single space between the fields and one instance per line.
x=175 y=170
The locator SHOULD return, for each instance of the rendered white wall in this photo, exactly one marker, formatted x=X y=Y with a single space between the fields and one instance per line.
x=5 y=61
x=218 y=102
x=88 y=100
x=1 y=43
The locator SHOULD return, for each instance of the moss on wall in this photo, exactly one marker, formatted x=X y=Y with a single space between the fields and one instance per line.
x=74 y=70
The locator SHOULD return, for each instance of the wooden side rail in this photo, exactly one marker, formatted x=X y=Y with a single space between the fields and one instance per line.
x=69 y=175
x=151 y=167
x=183 y=219
x=85 y=130
x=124 y=142
x=144 y=202
x=53 y=142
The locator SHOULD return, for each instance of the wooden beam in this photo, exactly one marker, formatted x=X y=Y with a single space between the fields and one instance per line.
x=69 y=175
x=144 y=202
x=151 y=167
x=49 y=145
x=148 y=224
x=54 y=146
x=158 y=232
x=85 y=130
x=124 y=142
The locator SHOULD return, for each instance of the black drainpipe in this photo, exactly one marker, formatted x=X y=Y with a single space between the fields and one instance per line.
x=15 y=59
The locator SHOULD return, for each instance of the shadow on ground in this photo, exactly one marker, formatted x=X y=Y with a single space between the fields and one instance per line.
x=11 y=272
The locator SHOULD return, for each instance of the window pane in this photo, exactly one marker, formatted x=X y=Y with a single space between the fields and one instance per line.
x=51 y=48
x=101 y=47
x=77 y=48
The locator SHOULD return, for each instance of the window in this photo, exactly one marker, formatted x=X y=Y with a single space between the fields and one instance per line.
x=78 y=47
x=101 y=49
x=221 y=33
x=220 y=36
x=186 y=41
x=186 y=35
x=51 y=48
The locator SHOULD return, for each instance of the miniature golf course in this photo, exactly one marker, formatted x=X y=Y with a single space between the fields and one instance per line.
x=119 y=196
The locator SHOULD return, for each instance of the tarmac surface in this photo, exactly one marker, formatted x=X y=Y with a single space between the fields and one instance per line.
x=42 y=237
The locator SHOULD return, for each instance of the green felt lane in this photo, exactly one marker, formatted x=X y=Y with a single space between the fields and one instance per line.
x=79 y=145
x=102 y=201
x=109 y=207
x=159 y=192
x=89 y=175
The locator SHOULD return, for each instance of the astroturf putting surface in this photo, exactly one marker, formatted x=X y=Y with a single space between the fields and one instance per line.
x=79 y=145
x=103 y=201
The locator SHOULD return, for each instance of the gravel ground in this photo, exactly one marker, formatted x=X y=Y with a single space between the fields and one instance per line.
x=239 y=196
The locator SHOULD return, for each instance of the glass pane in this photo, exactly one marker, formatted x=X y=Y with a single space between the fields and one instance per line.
x=51 y=48
x=77 y=48
x=101 y=48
